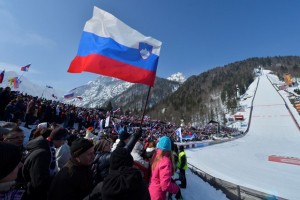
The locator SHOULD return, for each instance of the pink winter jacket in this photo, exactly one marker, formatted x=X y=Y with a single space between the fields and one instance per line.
x=160 y=182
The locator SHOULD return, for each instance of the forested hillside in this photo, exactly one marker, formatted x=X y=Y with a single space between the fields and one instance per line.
x=211 y=94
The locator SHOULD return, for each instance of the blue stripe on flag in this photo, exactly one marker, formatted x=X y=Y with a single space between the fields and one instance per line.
x=93 y=44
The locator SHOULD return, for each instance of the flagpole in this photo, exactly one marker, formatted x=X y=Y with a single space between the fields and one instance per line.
x=129 y=146
x=22 y=75
x=144 y=111
x=43 y=92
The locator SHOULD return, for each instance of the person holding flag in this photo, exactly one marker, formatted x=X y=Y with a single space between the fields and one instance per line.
x=110 y=47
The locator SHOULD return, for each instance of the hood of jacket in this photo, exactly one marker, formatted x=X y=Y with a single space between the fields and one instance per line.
x=124 y=183
x=37 y=143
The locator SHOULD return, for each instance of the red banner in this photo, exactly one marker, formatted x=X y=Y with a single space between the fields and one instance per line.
x=283 y=159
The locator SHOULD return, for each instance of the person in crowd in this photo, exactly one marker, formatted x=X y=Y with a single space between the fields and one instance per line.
x=15 y=136
x=74 y=180
x=123 y=181
x=100 y=165
x=122 y=140
x=162 y=170
x=182 y=166
x=10 y=162
x=3 y=131
x=139 y=161
x=90 y=135
x=4 y=100
x=10 y=111
x=137 y=153
x=40 y=130
x=62 y=155
x=29 y=113
x=150 y=149
x=40 y=163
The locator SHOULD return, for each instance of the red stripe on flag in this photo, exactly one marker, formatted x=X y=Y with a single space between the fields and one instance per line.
x=110 y=67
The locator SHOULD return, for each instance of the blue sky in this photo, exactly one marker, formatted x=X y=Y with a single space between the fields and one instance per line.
x=197 y=35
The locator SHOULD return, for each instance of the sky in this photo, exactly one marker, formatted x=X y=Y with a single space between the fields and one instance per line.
x=197 y=35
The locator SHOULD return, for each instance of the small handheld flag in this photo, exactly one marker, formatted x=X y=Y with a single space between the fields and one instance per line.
x=69 y=95
x=55 y=97
x=111 y=48
x=25 y=68
x=179 y=135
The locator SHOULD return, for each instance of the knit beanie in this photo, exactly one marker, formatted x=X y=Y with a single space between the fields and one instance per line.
x=43 y=125
x=79 y=146
x=123 y=134
x=101 y=144
x=164 y=143
x=59 y=134
x=10 y=156
x=120 y=157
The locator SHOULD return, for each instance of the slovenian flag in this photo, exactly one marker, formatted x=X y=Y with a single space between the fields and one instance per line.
x=2 y=76
x=179 y=135
x=17 y=82
x=111 y=48
x=25 y=68
x=69 y=95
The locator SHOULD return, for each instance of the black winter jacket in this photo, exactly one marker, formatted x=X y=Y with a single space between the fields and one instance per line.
x=72 y=182
x=36 y=169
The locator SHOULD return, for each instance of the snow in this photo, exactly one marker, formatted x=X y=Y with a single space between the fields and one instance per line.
x=178 y=77
x=272 y=131
x=198 y=189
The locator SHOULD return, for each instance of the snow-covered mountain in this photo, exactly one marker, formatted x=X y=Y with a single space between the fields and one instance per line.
x=96 y=93
x=178 y=77
x=26 y=86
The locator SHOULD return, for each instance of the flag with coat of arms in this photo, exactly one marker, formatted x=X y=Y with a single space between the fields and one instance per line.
x=178 y=133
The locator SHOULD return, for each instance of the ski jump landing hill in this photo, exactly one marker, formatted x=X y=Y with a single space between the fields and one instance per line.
x=267 y=158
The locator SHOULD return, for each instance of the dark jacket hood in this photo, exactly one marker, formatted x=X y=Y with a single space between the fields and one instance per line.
x=124 y=183
x=37 y=143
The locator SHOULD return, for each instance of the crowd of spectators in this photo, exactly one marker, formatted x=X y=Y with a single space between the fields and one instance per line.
x=82 y=153
x=76 y=153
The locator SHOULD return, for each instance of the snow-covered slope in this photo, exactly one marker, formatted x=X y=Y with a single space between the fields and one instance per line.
x=246 y=161
x=26 y=86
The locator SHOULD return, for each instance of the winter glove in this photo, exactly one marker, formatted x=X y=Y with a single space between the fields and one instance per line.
x=133 y=139
x=178 y=195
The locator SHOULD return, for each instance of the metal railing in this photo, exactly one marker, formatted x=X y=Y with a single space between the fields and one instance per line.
x=231 y=190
